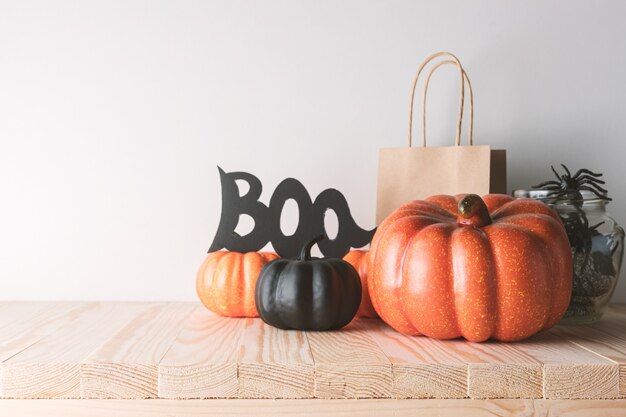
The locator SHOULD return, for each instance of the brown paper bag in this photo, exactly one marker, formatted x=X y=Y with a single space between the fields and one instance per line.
x=410 y=173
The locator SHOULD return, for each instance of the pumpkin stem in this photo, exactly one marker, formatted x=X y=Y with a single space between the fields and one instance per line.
x=473 y=211
x=305 y=254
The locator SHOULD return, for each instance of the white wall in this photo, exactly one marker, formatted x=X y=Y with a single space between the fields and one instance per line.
x=114 y=115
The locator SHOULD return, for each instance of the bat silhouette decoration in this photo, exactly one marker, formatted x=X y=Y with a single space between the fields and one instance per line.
x=267 y=219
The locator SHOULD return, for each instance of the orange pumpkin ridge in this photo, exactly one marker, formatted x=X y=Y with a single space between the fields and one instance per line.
x=225 y=281
x=359 y=259
x=450 y=267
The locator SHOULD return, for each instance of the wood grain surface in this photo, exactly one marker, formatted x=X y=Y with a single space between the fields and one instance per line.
x=570 y=371
x=51 y=367
x=349 y=364
x=315 y=407
x=182 y=351
x=422 y=367
x=126 y=365
x=202 y=361
x=274 y=363
x=606 y=338
x=36 y=321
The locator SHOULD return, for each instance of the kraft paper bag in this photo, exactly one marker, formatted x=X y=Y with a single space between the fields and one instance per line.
x=414 y=173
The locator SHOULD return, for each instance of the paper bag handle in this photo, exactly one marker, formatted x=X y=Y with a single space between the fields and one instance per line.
x=464 y=79
x=470 y=128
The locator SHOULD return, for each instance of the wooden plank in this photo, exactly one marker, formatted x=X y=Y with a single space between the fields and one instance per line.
x=202 y=361
x=499 y=370
x=617 y=308
x=49 y=351
x=422 y=367
x=126 y=366
x=50 y=368
x=572 y=372
x=580 y=408
x=425 y=367
x=23 y=324
x=349 y=364
x=275 y=363
x=317 y=407
x=303 y=407
x=606 y=338
x=14 y=311
x=613 y=321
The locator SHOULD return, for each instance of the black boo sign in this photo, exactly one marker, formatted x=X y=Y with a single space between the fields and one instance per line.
x=267 y=219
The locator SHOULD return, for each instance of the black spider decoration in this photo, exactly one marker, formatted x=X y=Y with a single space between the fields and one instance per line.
x=569 y=186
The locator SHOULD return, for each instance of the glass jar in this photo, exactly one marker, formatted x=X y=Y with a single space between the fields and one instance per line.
x=597 y=249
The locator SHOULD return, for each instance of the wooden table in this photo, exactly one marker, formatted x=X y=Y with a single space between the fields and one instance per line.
x=181 y=360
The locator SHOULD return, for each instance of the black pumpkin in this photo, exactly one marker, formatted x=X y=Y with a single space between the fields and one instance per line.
x=308 y=294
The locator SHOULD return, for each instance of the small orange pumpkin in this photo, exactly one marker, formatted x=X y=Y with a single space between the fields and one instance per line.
x=359 y=259
x=226 y=280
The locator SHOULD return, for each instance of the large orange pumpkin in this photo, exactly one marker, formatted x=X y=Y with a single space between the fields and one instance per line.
x=448 y=267
x=359 y=259
x=226 y=280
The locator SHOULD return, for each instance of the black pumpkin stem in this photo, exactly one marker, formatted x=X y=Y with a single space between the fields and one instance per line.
x=305 y=254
